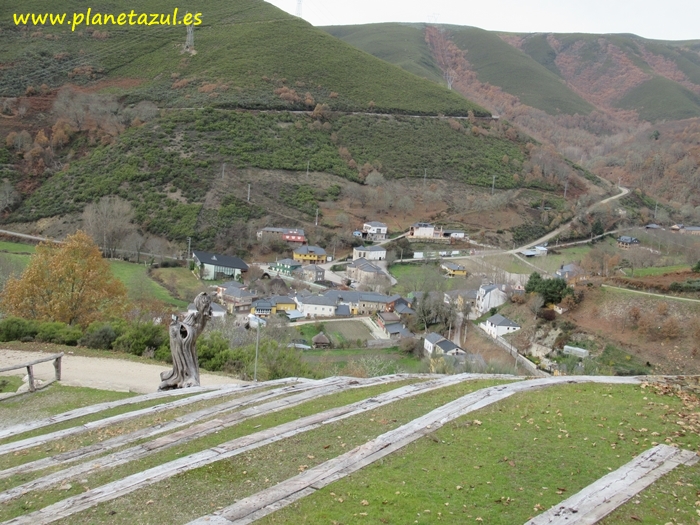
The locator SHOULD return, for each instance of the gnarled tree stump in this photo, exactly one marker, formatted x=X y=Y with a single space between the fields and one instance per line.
x=183 y=340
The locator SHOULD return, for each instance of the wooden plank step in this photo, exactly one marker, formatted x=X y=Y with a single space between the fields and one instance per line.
x=269 y=500
x=232 y=448
x=318 y=389
x=602 y=497
x=34 y=441
x=145 y=433
x=93 y=409
x=143 y=450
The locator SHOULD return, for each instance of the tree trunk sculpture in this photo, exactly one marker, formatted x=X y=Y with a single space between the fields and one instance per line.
x=183 y=338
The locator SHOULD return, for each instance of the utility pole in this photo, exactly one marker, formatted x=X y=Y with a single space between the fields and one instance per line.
x=316 y=216
x=493 y=185
x=248 y=192
x=189 y=41
x=223 y=169
x=307 y=167
x=299 y=3
x=566 y=187
x=189 y=245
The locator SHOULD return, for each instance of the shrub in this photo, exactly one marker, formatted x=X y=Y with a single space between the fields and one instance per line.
x=100 y=336
x=16 y=329
x=59 y=333
x=137 y=338
x=546 y=314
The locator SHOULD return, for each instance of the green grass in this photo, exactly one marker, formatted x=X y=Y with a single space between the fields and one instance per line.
x=660 y=270
x=380 y=361
x=308 y=331
x=222 y=482
x=529 y=450
x=9 y=384
x=140 y=285
x=410 y=274
x=55 y=399
x=182 y=281
x=16 y=247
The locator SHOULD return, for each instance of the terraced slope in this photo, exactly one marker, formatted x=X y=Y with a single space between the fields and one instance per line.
x=342 y=449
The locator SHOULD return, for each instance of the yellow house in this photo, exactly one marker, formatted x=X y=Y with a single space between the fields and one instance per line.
x=310 y=254
x=272 y=305
x=454 y=270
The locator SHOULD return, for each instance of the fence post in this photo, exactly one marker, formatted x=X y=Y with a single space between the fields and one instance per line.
x=57 y=367
x=30 y=374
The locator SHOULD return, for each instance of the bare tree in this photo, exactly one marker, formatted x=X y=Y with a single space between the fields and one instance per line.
x=108 y=222
x=405 y=205
x=374 y=179
x=535 y=303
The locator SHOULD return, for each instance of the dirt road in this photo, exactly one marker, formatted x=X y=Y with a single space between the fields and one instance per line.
x=102 y=373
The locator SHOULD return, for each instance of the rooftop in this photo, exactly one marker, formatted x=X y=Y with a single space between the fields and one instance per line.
x=499 y=320
x=224 y=261
x=312 y=250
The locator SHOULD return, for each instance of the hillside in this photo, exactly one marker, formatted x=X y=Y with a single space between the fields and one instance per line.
x=624 y=107
x=243 y=53
x=268 y=101
x=557 y=73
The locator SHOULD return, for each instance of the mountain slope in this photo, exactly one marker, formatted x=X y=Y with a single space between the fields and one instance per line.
x=558 y=73
x=400 y=44
x=247 y=50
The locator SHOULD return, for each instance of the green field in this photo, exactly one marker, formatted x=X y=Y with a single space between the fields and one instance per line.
x=657 y=270
x=415 y=276
x=16 y=247
x=140 y=285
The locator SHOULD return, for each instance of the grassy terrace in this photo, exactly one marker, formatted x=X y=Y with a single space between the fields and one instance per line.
x=503 y=464
x=307 y=448
x=507 y=463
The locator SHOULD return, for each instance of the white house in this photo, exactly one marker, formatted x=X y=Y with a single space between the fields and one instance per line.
x=490 y=296
x=371 y=253
x=429 y=342
x=374 y=230
x=212 y=265
x=316 y=306
x=497 y=326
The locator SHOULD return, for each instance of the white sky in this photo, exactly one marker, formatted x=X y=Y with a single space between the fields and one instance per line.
x=656 y=19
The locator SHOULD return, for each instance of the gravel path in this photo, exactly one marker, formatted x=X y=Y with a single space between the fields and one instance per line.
x=101 y=373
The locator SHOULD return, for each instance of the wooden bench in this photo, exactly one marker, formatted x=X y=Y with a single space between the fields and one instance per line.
x=56 y=358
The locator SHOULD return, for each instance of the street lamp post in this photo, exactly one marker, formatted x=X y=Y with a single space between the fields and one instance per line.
x=257 y=344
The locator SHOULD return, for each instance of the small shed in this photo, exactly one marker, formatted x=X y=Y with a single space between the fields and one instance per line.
x=320 y=340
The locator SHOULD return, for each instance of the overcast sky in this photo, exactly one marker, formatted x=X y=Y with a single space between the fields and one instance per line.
x=657 y=19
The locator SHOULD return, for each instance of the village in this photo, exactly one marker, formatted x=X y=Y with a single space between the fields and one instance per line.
x=311 y=286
